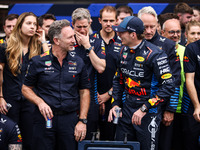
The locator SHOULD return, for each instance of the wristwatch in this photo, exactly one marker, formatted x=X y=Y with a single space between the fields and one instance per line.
x=110 y=93
x=83 y=120
x=89 y=49
x=143 y=108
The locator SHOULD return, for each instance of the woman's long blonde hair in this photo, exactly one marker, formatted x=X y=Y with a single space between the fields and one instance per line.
x=14 y=50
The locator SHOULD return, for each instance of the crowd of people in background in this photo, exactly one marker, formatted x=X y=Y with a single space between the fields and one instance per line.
x=60 y=83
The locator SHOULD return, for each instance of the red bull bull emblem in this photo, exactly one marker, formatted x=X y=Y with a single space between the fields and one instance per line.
x=131 y=83
x=185 y=59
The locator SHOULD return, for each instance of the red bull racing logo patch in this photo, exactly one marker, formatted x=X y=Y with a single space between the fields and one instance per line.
x=166 y=76
x=185 y=59
x=155 y=101
x=44 y=54
x=140 y=58
x=19 y=138
x=131 y=83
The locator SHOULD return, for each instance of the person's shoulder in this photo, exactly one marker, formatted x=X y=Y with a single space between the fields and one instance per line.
x=195 y=44
x=3 y=46
x=42 y=56
x=7 y=121
x=153 y=49
x=167 y=42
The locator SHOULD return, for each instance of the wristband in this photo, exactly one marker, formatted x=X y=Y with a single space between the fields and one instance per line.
x=1 y=96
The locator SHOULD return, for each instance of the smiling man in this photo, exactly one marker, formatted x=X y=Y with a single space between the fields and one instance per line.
x=62 y=84
x=140 y=63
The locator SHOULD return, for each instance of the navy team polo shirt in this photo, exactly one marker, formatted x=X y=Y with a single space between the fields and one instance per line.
x=12 y=84
x=58 y=86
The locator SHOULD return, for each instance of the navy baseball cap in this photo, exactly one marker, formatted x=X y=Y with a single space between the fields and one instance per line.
x=131 y=24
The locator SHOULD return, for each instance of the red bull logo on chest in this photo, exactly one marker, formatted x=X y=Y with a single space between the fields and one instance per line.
x=131 y=83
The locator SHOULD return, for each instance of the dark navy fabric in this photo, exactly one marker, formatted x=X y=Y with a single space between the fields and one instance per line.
x=12 y=84
x=112 y=49
x=58 y=85
x=137 y=69
x=9 y=132
x=21 y=110
x=99 y=49
x=169 y=47
x=191 y=65
x=147 y=133
x=105 y=82
x=100 y=52
x=59 y=137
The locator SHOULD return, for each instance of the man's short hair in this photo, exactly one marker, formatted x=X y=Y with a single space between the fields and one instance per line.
x=80 y=14
x=183 y=8
x=164 y=17
x=10 y=17
x=190 y=24
x=45 y=17
x=56 y=27
x=147 y=10
x=108 y=9
x=124 y=9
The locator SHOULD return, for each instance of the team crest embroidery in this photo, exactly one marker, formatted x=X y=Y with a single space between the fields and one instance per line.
x=48 y=63
x=124 y=55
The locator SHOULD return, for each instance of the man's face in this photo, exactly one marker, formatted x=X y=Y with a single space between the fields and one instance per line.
x=121 y=17
x=82 y=26
x=150 y=24
x=46 y=25
x=125 y=38
x=172 y=30
x=8 y=27
x=107 y=21
x=185 y=18
x=196 y=15
x=66 y=39
x=193 y=34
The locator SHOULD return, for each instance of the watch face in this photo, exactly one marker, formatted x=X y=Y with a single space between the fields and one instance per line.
x=143 y=108
x=85 y=121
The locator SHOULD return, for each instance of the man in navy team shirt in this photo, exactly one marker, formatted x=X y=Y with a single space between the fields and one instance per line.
x=92 y=51
x=61 y=84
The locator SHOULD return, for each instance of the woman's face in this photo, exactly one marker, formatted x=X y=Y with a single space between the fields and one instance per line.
x=193 y=34
x=29 y=26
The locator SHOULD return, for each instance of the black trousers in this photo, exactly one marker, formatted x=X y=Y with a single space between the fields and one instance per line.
x=59 y=137
x=21 y=112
